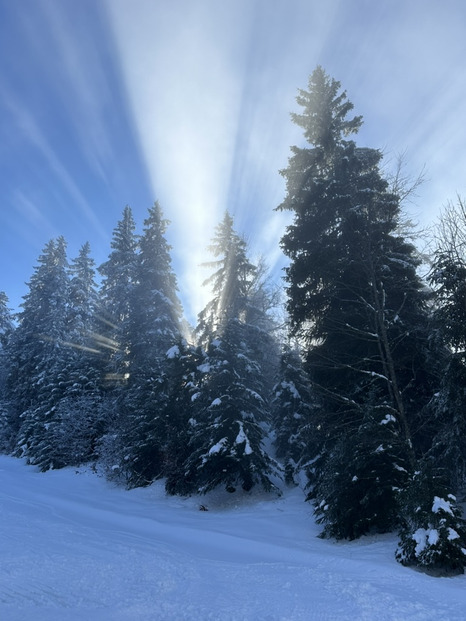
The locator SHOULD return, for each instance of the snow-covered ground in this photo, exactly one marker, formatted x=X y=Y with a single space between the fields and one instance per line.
x=74 y=548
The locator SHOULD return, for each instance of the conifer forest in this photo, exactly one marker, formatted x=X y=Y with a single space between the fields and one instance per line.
x=348 y=377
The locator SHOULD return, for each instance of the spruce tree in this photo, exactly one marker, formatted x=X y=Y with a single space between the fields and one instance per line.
x=154 y=325
x=79 y=421
x=230 y=282
x=356 y=302
x=227 y=445
x=41 y=356
x=448 y=277
x=156 y=309
x=232 y=409
x=433 y=532
x=292 y=406
x=183 y=369
x=119 y=276
x=6 y=334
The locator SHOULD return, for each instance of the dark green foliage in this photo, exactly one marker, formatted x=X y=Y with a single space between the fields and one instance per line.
x=291 y=412
x=184 y=376
x=448 y=422
x=6 y=335
x=228 y=432
x=433 y=533
x=119 y=276
x=79 y=423
x=153 y=329
x=356 y=491
x=41 y=358
x=357 y=304
x=448 y=276
x=231 y=413
x=140 y=432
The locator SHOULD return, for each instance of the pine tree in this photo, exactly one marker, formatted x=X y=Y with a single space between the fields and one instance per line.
x=448 y=277
x=292 y=412
x=228 y=434
x=154 y=325
x=6 y=335
x=433 y=533
x=156 y=311
x=184 y=379
x=232 y=410
x=354 y=297
x=119 y=276
x=41 y=356
x=79 y=420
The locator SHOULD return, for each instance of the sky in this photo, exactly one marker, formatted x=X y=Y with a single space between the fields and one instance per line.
x=107 y=103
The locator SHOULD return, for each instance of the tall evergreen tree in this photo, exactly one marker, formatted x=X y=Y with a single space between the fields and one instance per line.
x=448 y=277
x=41 y=355
x=79 y=418
x=355 y=300
x=292 y=408
x=227 y=443
x=119 y=277
x=6 y=334
x=183 y=370
x=155 y=318
x=154 y=325
x=232 y=409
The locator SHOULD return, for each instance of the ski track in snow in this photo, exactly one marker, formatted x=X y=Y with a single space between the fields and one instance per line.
x=73 y=548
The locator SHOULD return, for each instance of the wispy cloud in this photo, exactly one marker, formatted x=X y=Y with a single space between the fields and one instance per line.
x=68 y=53
x=30 y=131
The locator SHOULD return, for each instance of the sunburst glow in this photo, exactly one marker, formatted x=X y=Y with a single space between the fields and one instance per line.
x=114 y=103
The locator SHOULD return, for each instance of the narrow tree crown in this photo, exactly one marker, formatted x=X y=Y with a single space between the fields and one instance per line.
x=324 y=118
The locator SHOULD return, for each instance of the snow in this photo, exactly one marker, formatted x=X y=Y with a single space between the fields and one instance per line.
x=173 y=352
x=452 y=534
x=423 y=536
x=440 y=504
x=389 y=418
x=218 y=447
x=292 y=389
x=74 y=547
x=242 y=438
x=433 y=536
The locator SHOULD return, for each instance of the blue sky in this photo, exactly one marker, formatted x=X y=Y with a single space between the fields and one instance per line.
x=105 y=103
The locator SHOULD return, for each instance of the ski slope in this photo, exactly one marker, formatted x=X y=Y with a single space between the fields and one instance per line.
x=75 y=548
